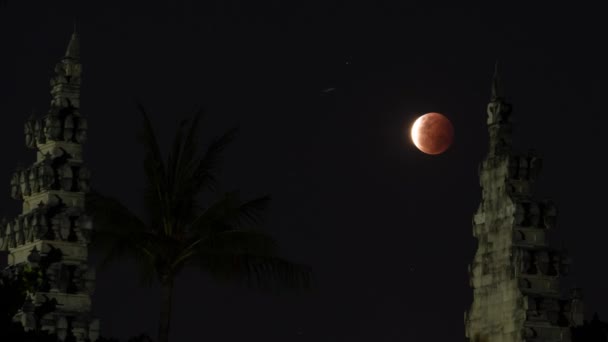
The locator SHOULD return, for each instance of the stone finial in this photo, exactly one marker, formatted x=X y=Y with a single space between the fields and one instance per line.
x=498 y=110
x=73 y=50
x=498 y=120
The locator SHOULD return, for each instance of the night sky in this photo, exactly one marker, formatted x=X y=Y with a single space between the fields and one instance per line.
x=386 y=228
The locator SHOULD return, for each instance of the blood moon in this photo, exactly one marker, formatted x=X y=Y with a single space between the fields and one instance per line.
x=432 y=133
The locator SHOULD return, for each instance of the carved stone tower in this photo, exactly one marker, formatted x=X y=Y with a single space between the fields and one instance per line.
x=52 y=232
x=515 y=273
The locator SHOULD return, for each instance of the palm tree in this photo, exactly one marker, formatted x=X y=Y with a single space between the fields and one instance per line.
x=179 y=231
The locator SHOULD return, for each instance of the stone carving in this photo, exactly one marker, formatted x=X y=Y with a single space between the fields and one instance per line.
x=553 y=317
x=16 y=186
x=79 y=329
x=73 y=72
x=84 y=176
x=534 y=167
x=24 y=180
x=524 y=168
x=43 y=177
x=52 y=127
x=53 y=273
x=48 y=323
x=40 y=226
x=18 y=231
x=89 y=280
x=3 y=239
x=33 y=178
x=65 y=176
x=59 y=75
x=55 y=201
x=77 y=280
x=498 y=111
x=519 y=214
x=519 y=236
x=542 y=262
x=39 y=131
x=27 y=228
x=68 y=128
x=94 y=330
x=577 y=308
x=522 y=173
x=10 y=236
x=550 y=215
x=534 y=214
x=81 y=132
x=30 y=137
x=555 y=264
x=34 y=257
x=46 y=173
x=529 y=333
x=65 y=278
x=66 y=73
x=28 y=319
x=56 y=153
x=60 y=224
x=62 y=328
x=84 y=225
x=526 y=261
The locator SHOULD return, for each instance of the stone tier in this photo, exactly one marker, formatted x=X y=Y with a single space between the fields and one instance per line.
x=57 y=223
x=61 y=124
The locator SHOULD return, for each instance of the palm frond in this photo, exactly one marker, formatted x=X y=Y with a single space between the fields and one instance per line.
x=216 y=237
x=174 y=156
x=260 y=272
x=186 y=151
x=190 y=143
x=230 y=213
x=252 y=212
x=153 y=207
x=240 y=242
x=120 y=233
x=251 y=258
x=109 y=214
x=218 y=217
x=131 y=247
x=181 y=170
x=157 y=195
x=204 y=173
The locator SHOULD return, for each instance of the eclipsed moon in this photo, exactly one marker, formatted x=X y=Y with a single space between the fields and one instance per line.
x=432 y=133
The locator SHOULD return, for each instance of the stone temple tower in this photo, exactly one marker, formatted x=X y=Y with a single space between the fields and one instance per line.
x=515 y=274
x=52 y=232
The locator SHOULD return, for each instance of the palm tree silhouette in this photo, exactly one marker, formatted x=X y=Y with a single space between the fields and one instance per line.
x=220 y=237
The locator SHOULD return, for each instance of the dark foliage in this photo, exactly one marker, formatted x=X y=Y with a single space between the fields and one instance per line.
x=594 y=331
x=13 y=287
x=220 y=237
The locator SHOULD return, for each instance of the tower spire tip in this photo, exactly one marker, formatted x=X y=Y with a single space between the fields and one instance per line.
x=73 y=50
x=495 y=83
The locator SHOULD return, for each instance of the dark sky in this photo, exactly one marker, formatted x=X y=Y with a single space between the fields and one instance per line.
x=386 y=228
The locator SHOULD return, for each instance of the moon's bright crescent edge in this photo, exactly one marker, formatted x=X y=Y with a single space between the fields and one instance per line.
x=415 y=132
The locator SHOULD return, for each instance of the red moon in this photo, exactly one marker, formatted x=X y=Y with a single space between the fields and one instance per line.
x=432 y=133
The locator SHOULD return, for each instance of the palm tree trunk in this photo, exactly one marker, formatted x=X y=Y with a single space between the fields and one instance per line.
x=166 y=298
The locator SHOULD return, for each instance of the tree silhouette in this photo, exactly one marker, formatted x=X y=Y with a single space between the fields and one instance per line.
x=594 y=331
x=179 y=231
x=13 y=289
